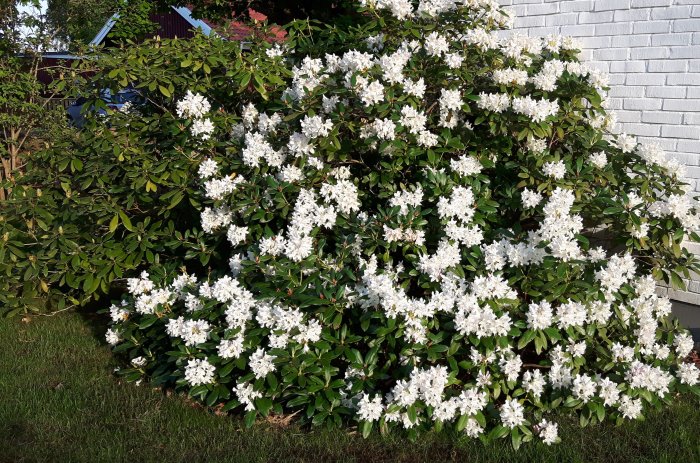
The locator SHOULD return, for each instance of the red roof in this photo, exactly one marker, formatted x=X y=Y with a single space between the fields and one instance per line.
x=241 y=31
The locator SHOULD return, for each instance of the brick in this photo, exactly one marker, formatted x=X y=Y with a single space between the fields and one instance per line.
x=690 y=146
x=691 y=119
x=693 y=172
x=576 y=5
x=611 y=54
x=542 y=9
x=611 y=5
x=586 y=55
x=687 y=104
x=683 y=79
x=693 y=92
x=645 y=79
x=681 y=131
x=599 y=17
x=613 y=29
x=650 y=53
x=693 y=287
x=652 y=27
x=561 y=19
x=667 y=65
x=662 y=117
x=640 y=14
x=530 y=21
x=673 y=12
x=647 y=3
x=649 y=130
x=542 y=31
x=600 y=42
x=627 y=91
x=685 y=52
x=581 y=30
x=685 y=25
x=689 y=159
x=641 y=104
x=519 y=10
x=615 y=104
x=617 y=79
x=672 y=39
x=628 y=66
x=665 y=92
x=629 y=116
x=639 y=40
x=696 y=38
x=696 y=12
x=601 y=65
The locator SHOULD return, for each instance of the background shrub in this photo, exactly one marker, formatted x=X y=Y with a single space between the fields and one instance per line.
x=434 y=231
x=100 y=202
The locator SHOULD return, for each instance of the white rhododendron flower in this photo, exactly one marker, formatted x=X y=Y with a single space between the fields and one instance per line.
x=600 y=159
x=246 y=394
x=530 y=198
x=199 y=371
x=315 y=126
x=496 y=102
x=202 y=128
x=548 y=431
x=510 y=76
x=556 y=170
x=536 y=145
x=370 y=410
x=112 y=337
x=193 y=106
x=626 y=143
x=208 y=168
x=512 y=413
x=688 y=374
x=261 y=363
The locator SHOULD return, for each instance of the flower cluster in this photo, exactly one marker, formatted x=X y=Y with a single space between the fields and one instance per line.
x=195 y=106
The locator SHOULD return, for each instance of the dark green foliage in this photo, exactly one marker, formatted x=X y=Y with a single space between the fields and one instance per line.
x=103 y=201
x=78 y=21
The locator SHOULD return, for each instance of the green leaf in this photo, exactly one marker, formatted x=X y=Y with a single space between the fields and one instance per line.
x=526 y=338
x=126 y=221
x=498 y=432
x=263 y=405
x=516 y=438
x=461 y=423
x=366 y=428
x=114 y=223
x=272 y=381
x=677 y=281
x=148 y=321
x=249 y=419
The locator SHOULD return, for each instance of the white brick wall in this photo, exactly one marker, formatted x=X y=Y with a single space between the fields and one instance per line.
x=651 y=48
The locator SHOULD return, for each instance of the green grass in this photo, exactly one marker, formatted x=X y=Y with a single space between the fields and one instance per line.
x=59 y=402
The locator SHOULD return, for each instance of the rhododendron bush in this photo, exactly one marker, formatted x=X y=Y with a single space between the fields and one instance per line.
x=436 y=228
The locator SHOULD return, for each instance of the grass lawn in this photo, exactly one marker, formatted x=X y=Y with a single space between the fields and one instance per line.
x=60 y=403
